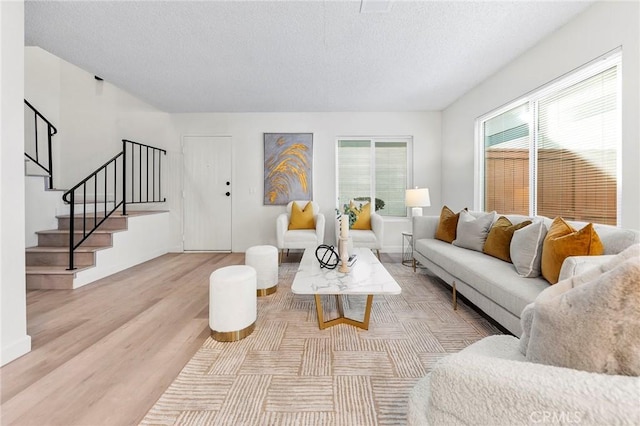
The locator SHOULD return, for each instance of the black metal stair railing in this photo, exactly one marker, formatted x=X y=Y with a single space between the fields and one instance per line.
x=133 y=176
x=45 y=162
x=146 y=173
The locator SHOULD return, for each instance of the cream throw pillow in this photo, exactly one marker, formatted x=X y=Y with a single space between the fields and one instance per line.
x=472 y=232
x=526 y=249
x=526 y=317
x=594 y=327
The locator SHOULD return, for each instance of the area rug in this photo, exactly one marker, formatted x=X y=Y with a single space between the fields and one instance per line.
x=289 y=372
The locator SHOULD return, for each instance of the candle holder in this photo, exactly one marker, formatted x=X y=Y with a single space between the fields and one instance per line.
x=343 y=245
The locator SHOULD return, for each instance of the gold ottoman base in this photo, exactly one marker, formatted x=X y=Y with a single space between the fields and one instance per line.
x=232 y=336
x=267 y=291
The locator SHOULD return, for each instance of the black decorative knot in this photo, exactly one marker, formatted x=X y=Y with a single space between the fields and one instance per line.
x=327 y=256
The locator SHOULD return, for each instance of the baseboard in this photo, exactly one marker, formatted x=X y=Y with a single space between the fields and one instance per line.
x=15 y=349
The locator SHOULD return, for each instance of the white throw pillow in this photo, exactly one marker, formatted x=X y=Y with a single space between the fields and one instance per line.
x=599 y=268
x=594 y=327
x=472 y=232
x=526 y=249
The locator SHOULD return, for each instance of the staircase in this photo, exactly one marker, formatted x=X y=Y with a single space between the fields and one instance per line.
x=94 y=212
x=47 y=263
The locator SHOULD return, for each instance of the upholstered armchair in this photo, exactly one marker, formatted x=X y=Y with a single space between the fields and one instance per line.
x=299 y=238
x=367 y=238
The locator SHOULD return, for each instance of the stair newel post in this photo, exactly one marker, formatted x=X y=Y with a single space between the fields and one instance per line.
x=49 y=134
x=71 y=229
x=124 y=177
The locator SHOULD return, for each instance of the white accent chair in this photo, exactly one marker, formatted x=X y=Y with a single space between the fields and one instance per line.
x=371 y=239
x=299 y=238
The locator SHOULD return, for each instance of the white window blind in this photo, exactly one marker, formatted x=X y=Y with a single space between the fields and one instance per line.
x=391 y=176
x=568 y=164
x=354 y=170
x=577 y=141
x=374 y=168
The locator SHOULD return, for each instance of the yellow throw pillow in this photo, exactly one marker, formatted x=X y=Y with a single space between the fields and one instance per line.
x=363 y=216
x=301 y=218
x=563 y=241
x=447 y=226
x=498 y=242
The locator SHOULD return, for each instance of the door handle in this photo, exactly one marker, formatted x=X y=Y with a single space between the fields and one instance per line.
x=228 y=193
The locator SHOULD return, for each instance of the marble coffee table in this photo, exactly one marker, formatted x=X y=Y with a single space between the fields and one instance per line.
x=366 y=277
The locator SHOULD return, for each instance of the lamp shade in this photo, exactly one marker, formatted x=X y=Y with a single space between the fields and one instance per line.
x=418 y=197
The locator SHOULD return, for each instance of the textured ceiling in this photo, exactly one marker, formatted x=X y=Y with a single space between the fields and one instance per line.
x=232 y=56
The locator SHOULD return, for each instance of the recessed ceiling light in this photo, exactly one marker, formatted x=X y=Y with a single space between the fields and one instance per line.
x=375 y=6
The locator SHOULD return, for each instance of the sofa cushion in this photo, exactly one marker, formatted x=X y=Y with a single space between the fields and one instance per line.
x=563 y=241
x=594 y=327
x=491 y=277
x=362 y=236
x=498 y=241
x=447 y=225
x=472 y=232
x=526 y=249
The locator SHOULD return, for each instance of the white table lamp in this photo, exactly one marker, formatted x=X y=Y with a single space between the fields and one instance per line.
x=417 y=198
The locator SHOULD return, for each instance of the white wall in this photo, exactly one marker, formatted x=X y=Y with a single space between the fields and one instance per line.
x=92 y=117
x=254 y=223
x=41 y=208
x=599 y=29
x=146 y=238
x=13 y=306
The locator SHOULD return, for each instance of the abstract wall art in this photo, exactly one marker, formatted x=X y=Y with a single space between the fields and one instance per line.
x=288 y=163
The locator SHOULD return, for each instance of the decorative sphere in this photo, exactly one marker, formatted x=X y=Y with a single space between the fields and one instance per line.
x=327 y=256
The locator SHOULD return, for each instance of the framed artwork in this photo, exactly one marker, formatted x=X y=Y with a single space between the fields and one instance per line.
x=288 y=163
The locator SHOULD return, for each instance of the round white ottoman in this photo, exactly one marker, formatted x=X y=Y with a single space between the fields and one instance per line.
x=265 y=260
x=232 y=302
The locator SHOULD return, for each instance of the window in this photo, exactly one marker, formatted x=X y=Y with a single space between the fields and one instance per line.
x=555 y=152
x=375 y=168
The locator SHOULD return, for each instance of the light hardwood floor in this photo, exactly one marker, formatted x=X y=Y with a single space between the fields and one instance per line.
x=104 y=353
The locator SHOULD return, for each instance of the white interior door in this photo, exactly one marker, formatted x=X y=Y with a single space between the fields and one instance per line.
x=207 y=193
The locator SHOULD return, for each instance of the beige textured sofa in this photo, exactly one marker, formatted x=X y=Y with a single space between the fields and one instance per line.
x=576 y=362
x=493 y=285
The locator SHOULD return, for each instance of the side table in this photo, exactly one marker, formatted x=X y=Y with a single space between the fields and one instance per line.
x=407 y=248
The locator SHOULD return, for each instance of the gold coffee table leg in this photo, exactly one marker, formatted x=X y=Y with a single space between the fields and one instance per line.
x=341 y=318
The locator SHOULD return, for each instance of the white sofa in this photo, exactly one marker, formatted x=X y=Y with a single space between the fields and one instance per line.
x=552 y=375
x=492 y=284
x=490 y=383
